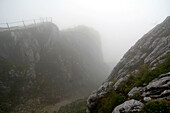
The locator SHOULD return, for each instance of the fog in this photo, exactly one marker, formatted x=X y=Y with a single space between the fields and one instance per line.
x=120 y=22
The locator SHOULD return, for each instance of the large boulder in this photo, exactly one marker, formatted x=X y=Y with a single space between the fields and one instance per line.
x=129 y=106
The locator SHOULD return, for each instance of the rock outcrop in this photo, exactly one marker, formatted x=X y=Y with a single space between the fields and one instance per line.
x=135 y=90
x=129 y=106
x=150 y=49
x=97 y=95
x=43 y=62
x=147 y=99
x=123 y=79
x=158 y=88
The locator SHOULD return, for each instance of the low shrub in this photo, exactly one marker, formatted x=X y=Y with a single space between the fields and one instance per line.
x=109 y=102
x=144 y=76
x=156 y=106
x=126 y=86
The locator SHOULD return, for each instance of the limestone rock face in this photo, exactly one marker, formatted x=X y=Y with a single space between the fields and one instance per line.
x=117 y=84
x=135 y=90
x=129 y=106
x=150 y=49
x=163 y=81
x=159 y=87
x=156 y=89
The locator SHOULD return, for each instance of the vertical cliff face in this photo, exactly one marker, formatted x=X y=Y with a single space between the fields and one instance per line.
x=85 y=42
x=150 y=49
x=45 y=63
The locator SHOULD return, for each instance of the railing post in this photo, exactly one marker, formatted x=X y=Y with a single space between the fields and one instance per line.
x=46 y=19
x=51 y=19
x=8 y=26
x=23 y=24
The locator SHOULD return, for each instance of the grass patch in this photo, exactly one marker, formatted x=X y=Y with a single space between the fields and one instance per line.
x=144 y=76
x=114 y=98
x=6 y=65
x=9 y=97
x=157 y=106
x=109 y=102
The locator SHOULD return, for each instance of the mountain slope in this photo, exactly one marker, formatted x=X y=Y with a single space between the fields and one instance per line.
x=151 y=46
x=140 y=82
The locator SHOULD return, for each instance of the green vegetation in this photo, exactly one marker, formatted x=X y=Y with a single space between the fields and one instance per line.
x=78 y=106
x=6 y=65
x=107 y=104
x=157 y=106
x=144 y=76
x=9 y=98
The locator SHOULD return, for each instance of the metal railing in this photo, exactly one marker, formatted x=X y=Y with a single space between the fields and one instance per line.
x=23 y=23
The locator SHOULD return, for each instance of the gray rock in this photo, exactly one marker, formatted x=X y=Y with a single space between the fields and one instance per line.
x=166 y=92
x=151 y=49
x=145 y=94
x=160 y=57
x=129 y=106
x=96 y=95
x=147 y=99
x=135 y=90
x=160 y=48
x=158 y=88
x=161 y=82
x=135 y=72
x=117 y=84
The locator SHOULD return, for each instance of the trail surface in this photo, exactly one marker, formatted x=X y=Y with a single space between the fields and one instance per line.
x=56 y=107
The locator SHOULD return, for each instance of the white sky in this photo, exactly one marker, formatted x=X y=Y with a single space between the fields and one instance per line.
x=120 y=22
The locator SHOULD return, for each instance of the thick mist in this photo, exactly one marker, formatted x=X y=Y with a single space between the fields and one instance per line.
x=58 y=52
x=120 y=22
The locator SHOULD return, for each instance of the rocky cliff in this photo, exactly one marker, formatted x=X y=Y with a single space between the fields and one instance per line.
x=140 y=82
x=45 y=64
x=148 y=50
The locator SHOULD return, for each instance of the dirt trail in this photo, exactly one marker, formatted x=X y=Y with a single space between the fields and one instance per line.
x=52 y=108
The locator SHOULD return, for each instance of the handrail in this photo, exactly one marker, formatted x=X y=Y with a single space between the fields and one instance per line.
x=8 y=25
